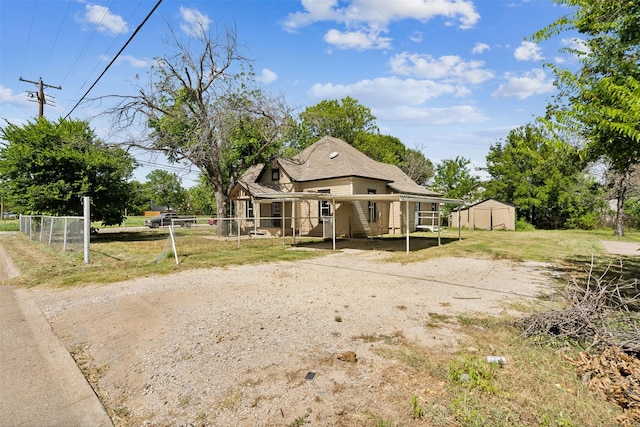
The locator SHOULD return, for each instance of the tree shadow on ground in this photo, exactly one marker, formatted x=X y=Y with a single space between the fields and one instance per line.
x=389 y=244
x=608 y=268
x=128 y=236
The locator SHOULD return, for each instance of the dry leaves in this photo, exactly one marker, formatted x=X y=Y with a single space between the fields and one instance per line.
x=615 y=376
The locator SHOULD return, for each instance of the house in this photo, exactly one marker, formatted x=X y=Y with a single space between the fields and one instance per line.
x=488 y=214
x=331 y=189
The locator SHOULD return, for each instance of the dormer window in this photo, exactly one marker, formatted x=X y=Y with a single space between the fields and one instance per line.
x=275 y=174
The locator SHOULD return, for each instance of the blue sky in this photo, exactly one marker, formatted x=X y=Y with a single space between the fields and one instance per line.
x=446 y=77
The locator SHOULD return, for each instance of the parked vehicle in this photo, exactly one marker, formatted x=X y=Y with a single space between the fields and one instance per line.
x=168 y=218
x=10 y=215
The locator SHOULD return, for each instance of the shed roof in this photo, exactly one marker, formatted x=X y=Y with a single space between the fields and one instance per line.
x=463 y=208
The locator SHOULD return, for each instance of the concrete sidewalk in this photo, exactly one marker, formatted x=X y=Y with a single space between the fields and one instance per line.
x=40 y=383
x=621 y=248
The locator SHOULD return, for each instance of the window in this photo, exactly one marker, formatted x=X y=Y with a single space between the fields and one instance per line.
x=275 y=174
x=373 y=208
x=249 y=209
x=324 y=208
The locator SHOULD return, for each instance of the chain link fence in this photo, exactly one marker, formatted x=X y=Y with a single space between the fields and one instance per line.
x=64 y=233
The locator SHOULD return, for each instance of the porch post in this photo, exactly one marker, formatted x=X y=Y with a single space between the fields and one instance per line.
x=406 y=222
x=439 y=221
x=459 y=226
x=256 y=209
x=283 y=217
x=333 y=223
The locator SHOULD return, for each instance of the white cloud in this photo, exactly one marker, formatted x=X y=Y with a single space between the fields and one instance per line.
x=480 y=47
x=356 y=40
x=194 y=22
x=8 y=97
x=384 y=91
x=267 y=76
x=132 y=60
x=528 y=51
x=372 y=17
x=402 y=101
x=103 y=19
x=416 y=37
x=421 y=116
x=449 y=68
x=534 y=82
x=578 y=45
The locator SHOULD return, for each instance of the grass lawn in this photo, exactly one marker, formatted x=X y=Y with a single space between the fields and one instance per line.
x=119 y=254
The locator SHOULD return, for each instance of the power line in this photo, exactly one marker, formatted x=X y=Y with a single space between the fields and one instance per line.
x=114 y=58
x=33 y=13
x=55 y=40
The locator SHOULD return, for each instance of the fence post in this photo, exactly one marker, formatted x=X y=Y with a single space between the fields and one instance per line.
x=64 y=239
x=51 y=231
x=86 y=200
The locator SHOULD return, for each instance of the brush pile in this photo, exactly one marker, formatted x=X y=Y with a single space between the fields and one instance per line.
x=605 y=315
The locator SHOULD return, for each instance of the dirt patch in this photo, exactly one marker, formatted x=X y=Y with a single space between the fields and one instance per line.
x=259 y=345
x=7 y=268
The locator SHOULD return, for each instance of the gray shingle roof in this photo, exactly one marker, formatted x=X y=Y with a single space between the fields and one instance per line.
x=333 y=158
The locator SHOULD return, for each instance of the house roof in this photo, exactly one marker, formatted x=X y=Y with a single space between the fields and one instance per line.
x=331 y=158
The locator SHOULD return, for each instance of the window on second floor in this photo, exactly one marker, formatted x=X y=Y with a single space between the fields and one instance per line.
x=275 y=174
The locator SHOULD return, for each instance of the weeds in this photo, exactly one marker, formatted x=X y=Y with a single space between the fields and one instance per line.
x=417 y=413
x=472 y=372
x=300 y=421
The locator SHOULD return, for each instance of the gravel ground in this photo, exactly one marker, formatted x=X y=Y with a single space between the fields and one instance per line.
x=234 y=346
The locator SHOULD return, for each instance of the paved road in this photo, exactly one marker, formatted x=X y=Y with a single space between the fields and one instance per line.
x=40 y=383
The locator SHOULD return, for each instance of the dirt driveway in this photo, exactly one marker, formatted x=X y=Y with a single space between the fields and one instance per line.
x=238 y=346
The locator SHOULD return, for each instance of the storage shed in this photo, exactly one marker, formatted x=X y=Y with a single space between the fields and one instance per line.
x=488 y=214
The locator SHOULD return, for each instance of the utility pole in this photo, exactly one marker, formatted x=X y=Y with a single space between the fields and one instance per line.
x=40 y=96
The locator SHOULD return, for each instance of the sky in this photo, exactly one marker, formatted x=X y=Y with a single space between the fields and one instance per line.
x=447 y=77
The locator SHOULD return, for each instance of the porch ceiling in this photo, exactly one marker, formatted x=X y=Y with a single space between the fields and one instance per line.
x=357 y=197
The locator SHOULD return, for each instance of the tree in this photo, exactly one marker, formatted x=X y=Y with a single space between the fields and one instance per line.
x=345 y=119
x=354 y=123
x=48 y=167
x=599 y=102
x=454 y=179
x=200 y=200
x=543 y=178
x=165 y=189
x=139 y=197
x=417 y=166
x=203 y=105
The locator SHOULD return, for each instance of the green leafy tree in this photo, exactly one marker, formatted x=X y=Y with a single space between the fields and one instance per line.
x=202 y=106
x=165 y=189
x=455 y=179
x=543 y=178
x=599 y=102
x=346 y=119
x=48 y=167
x=139 y=198
x=200 y=199
x=382 y=148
